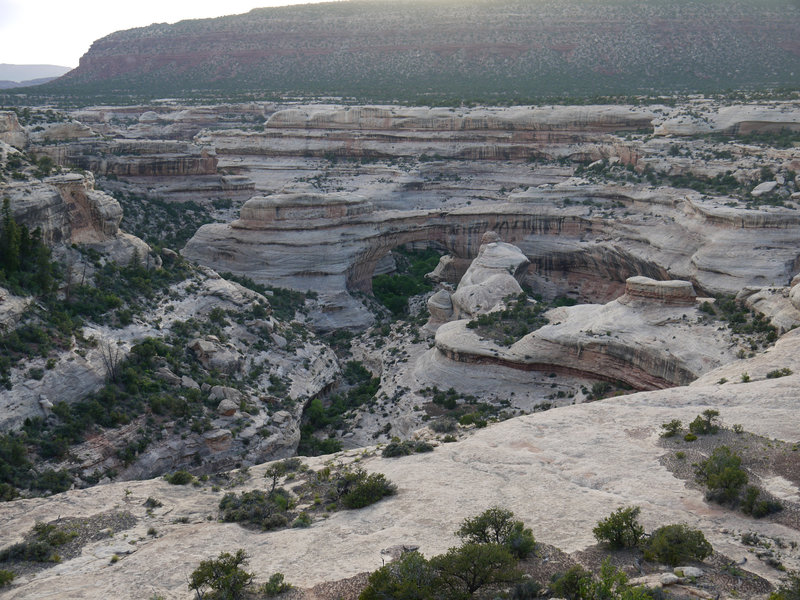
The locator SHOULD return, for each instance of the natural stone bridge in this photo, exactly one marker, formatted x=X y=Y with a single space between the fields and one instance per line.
x=332 y=243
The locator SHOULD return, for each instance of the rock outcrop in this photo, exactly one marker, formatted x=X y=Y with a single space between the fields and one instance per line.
x=136 y=158
x=571 y=248
x=11 y=132
x=493 y=276
x=651 y=337
x=404 y=133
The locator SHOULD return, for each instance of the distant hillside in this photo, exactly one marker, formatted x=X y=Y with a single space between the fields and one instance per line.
x=5 y=84
x=402 y=49
x=29 y=74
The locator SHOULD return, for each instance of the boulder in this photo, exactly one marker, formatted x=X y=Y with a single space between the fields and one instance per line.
x=668 y=579
x=764 y=188
x=440 y=307
x=227 y=408
x=662 y=292
x=212 y=354
x=281 y=417
x=189 y=383
x=164 y=374
x=688 y=571
x=221 y=392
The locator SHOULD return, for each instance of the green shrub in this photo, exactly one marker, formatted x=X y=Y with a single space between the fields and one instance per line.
x=620 y=529
x=152 y=502
x=672 y=428
x=497 y=526
x=397 y=448
x=40 y=544
x=411 y=577
x=275 y=586
x=689 y=437
x=779 y=373
x=179 y=477
x=302 y=520
x=361 y=490
x=223 y=576
x=8 y=492
x=256 y=507
x=758 y=508
x=444 y=425
x=6 y=577
x=468 y=568
x=789 y=589
x=569 y=584
x=705 y=424
x=723 y=475
x=526 y=590
x=674 y=544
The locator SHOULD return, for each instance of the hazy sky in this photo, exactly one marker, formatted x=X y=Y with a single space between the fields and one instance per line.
x=59 y=32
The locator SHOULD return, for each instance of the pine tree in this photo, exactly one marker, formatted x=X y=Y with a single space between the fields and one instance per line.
x=9 y=240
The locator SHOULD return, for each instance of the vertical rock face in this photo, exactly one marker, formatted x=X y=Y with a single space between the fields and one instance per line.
x=93 y=216
x=137 y=158
x=10 y=130
x=661 y=292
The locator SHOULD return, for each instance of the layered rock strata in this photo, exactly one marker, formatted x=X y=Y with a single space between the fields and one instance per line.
x=136 y=158
x=575 y=248
x=649 y=338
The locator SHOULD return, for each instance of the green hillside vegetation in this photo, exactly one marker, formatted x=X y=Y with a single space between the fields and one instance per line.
x=470 y=50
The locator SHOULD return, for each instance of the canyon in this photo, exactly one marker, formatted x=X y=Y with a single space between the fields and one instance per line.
x=637 y=236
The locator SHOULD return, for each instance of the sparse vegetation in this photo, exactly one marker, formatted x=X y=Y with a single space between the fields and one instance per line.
x=405 y=447
x=506 y=326
x=675 y=544
x=222 y=578
x=621 y=529
x=6 y=577
x=327 y=489
x=482 y=562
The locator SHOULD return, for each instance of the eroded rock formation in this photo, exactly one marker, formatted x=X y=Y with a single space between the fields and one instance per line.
x=649 y=338
x=660 y=234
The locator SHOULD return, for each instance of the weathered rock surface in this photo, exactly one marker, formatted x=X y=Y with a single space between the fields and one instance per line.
x=742 y=119
x=11 y=308
x=661 y=234
x=493 y=275
x=651 y=337
x=136 y=158
x=560 y=471
x=473 y=134
x=11 y=132
x=781 y=304
x=66 y=208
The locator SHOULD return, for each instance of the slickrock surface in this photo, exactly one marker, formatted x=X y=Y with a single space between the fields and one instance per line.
x=560 y=471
